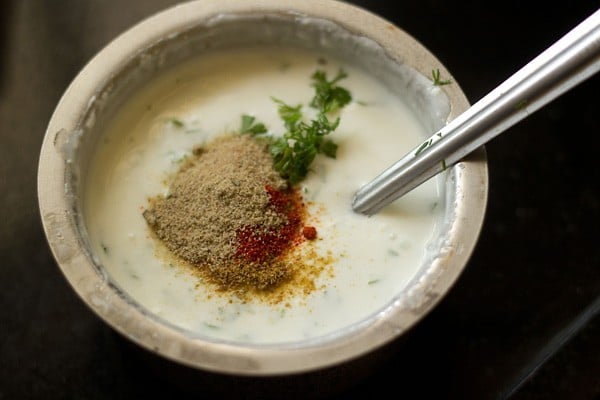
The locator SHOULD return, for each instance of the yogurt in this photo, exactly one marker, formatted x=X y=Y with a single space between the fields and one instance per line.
x=370 y=259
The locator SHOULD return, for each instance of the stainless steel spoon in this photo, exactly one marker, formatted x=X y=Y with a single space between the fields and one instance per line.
x=569 y=61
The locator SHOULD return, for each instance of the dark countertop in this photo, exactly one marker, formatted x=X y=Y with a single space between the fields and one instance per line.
x=521 y=323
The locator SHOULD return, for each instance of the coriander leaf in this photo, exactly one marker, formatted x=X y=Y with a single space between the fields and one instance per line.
x=176 y=122
x=248 y=126
x=435 y=74
x=329 y=148
x=329 y=98
x=290 y=115
x=296 y=149
x=278 y=147
x=247 y=121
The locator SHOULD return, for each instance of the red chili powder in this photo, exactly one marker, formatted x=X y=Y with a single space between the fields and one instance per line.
x=256 y=244
x=309 y=232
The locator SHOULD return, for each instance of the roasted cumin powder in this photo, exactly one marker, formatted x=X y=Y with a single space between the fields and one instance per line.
x=229 y=213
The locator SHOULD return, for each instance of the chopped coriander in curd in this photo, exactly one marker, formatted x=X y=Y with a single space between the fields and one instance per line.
x=357 y=264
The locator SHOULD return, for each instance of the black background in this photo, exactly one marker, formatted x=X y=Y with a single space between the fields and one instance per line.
x=521 y=322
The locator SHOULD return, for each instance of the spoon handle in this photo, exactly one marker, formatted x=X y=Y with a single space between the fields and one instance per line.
x=569 y=61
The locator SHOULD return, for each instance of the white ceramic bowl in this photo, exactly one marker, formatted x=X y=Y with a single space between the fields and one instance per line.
x=187 y=30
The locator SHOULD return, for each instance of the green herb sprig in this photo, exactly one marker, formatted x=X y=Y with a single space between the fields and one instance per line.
x=295 y=150
x=249 y=126
x=437 y=81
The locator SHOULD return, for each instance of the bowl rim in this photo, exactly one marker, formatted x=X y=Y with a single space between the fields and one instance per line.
x=116 y=309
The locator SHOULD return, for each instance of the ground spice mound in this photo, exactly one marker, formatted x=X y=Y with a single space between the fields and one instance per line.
x=231 y=214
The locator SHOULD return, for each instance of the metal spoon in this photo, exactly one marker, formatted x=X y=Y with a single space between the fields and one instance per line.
x=569 y=61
